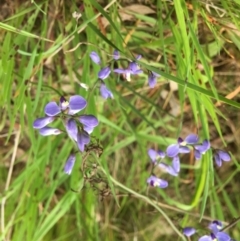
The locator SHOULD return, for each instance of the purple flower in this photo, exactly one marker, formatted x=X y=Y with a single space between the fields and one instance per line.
x=215 y=226
x=116 y=55
x=174 y=169
x=105 y=92
x=83 y=139
x=157 y=182
x=189 y=231
x=201 y=149
x=220 y=236
x=52 y=109
x=89 y=122
x=216 y=233
x=174 y=149
x=152 y=79
x=133 y=69
x=95 y=57
x=220 y=156
x=69 y=164
x=155 y=155
x=104 y=73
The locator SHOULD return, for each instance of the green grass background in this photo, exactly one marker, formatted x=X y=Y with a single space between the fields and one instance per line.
x=45 y=50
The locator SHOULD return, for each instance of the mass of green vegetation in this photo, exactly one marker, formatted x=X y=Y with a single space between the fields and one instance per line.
x=148 y=72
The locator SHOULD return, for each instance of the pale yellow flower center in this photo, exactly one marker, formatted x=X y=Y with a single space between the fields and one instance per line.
x=184 y=143
x=156 y=183
x=65 y=104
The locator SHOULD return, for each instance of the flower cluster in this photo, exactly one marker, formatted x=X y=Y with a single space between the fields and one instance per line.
x=132 y=69
x=103 y=74
x=216 y=233
x=78 y=127
x=191 y=142
x=183 y=146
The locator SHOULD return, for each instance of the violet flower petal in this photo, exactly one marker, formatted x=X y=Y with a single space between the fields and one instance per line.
x=176 y=164
x=184 y=149
x=206 y=144
x=224 y=156
x=197 y=154
x=104 y=73
x=133 y=66
x=47 y=131
x=89 y=120
x=105 y=92
x=76 y=104
x=191 y=139
x=222 y=236
x=172 y=150
x=52 y=109
x=120 y=71
x=88 y=129
x=218 y=160
x=189 y=231
x=152 y=80
x=41 y=122
x=95 y=57
x=205 y=238
x=167 y=169
x=72 y=129
x=139 y=71
x=204 y=147
x=83 y=139
x=171 y=171
x=153 y=155
x=69 y=164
